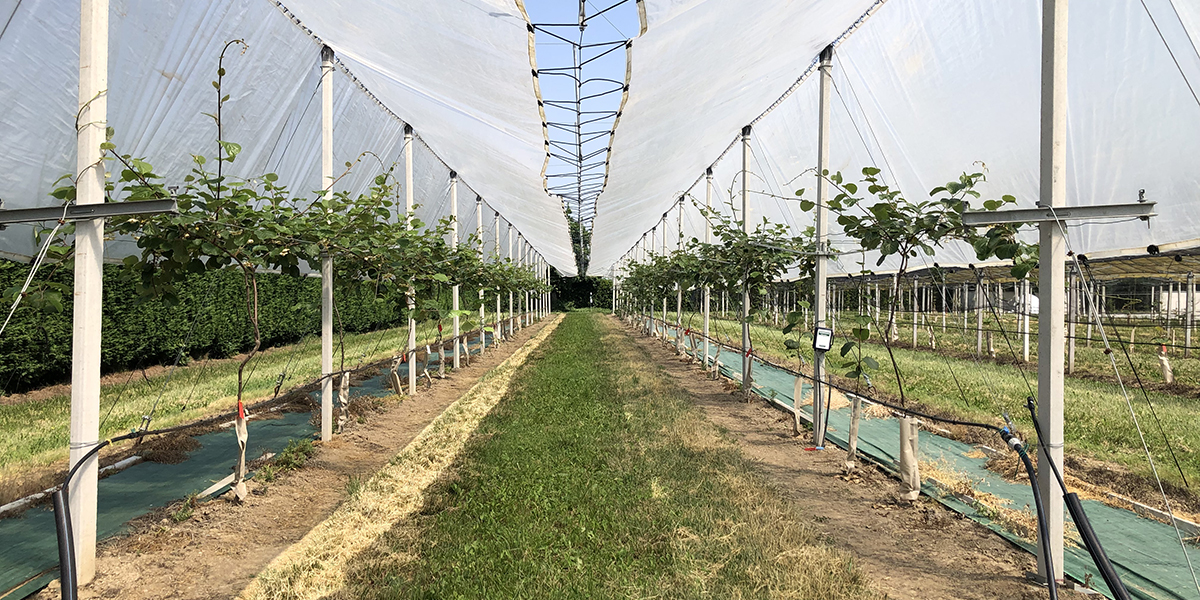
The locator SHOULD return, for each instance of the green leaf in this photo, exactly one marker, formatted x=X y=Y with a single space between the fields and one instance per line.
x=871 y=363
x=232 y=149
x=847 y=348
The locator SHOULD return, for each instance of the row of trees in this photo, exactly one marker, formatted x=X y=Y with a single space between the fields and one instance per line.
x=872 y=214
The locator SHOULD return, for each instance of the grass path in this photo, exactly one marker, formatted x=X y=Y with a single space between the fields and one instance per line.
x=326 y=562
x=594 y=477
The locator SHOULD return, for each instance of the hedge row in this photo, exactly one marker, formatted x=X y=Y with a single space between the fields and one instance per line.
x=35 y=350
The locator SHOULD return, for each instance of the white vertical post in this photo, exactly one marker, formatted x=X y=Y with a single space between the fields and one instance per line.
x=454 y=303
x=664 y=253
x=979 y=300
x=498 y=331
x=707 y=240
x=521 y=261
x=746 y=362
x=819 y=414
x=411 y=296
x=1053 y=192
x=479 y=234
x=326 y=260
x=1027 y=290
x=511 y=329
x=1072 y=309
x=1189 y=314
x=678 y=287
x=89 y=288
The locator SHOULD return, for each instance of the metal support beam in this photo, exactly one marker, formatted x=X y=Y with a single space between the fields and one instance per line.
x=79 y=211
x=1142 y=210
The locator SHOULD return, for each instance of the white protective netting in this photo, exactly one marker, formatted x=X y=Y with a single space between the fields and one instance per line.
x=924 y=89
x=459 y=72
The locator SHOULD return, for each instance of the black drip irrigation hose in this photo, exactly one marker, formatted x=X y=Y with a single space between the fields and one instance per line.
x=62 y=517
x=1082 y=523
x=1043 y=527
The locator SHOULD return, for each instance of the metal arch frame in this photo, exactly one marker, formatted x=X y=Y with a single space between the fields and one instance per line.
x=578 y=178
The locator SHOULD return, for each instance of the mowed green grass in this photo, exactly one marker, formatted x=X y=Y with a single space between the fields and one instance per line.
x=596 y=478
x=1097 y=420
x=35 y=433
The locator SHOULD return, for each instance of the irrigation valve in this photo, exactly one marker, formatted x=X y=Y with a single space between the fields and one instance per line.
x=1009 y=438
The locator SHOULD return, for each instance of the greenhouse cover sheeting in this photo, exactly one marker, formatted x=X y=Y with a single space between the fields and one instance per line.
x=459 y=72
x=924 y=90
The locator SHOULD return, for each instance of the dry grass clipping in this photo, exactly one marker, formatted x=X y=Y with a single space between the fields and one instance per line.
x=315 y=567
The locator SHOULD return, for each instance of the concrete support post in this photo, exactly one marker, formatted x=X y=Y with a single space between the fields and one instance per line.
x=327 y=261
x=1189 y=314
x=326 y=348
x=746 y=360
x=522 y=303
x=664 y=298
x=708 y=176
x=1072 y=310
x=411 y=353
x=454 y=300
x=89 y=291
x=479 y=235
x=497 y=331
x=915 y=310
x=979 y=301
x=820 y=416
x=679 y=287
x=1026 y=309
x=511 y=330
x=1053 y=192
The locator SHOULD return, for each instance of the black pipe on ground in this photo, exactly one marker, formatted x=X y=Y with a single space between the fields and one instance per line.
x=1075 y=508
x=66 y=546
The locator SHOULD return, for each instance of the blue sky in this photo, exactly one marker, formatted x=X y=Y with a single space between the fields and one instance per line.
x=603 y=73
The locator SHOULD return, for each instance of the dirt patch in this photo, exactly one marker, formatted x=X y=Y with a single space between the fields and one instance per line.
x=172 y=449
x=216 y=551
x=922 y=550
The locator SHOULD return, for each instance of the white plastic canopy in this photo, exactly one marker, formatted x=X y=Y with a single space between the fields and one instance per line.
x=925 y=90
x=458 y=71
